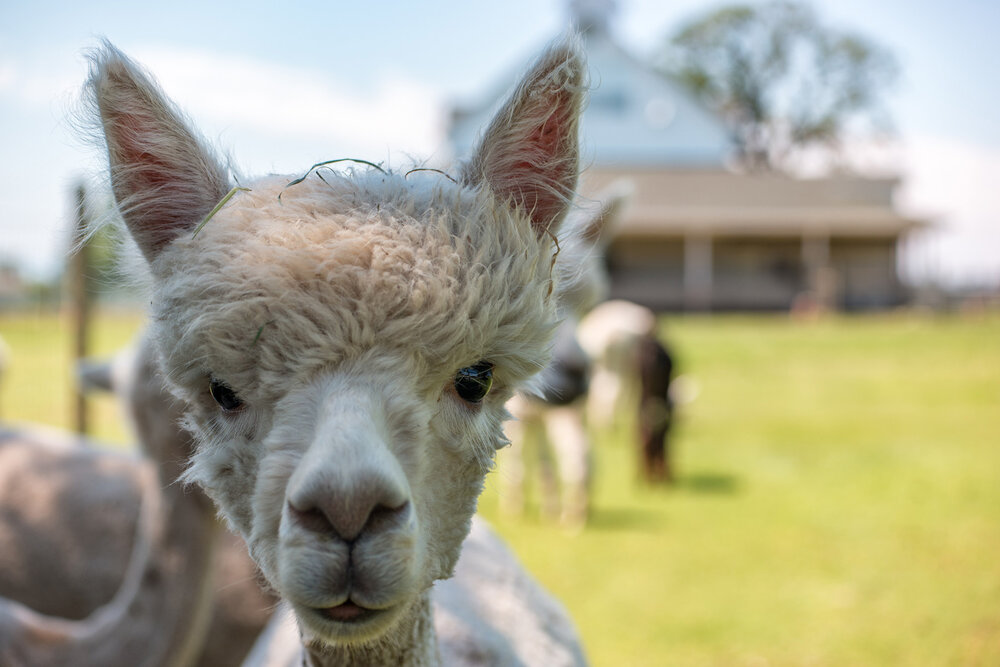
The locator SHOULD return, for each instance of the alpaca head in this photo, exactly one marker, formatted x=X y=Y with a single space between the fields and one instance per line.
x=344 y=344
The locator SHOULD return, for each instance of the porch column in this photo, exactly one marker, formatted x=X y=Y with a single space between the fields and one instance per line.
x=821 y=279
x=697 y=272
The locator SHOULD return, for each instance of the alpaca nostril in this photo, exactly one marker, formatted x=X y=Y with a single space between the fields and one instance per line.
x=347 y=522
x=312 y=519
x=384 y=516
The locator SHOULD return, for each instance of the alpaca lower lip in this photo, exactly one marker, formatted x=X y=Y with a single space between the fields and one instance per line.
x=348 y=612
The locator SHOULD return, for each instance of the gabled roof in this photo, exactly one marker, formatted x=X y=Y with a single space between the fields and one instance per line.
x=635 y=116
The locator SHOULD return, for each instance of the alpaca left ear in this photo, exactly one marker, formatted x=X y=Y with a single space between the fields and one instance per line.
x=165 y=180
x=529 y=154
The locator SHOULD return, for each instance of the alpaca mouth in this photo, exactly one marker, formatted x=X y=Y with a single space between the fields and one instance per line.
x=348 y=612
x=345 y=624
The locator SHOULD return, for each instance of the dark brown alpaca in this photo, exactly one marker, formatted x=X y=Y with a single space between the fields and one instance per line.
x=655 y=370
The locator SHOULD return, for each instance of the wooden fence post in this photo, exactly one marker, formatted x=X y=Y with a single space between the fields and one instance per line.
x=80 y=301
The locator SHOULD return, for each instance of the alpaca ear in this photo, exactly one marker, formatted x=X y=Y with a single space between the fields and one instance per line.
x=164 y=179
x=529 y=153
x=593 y=221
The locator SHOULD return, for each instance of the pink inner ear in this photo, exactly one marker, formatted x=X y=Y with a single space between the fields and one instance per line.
x=161 y=179
x=146 y=182
x=547 y=136
x=164 y=180
x=528 y=155
x=550 y=174
x=144 y=170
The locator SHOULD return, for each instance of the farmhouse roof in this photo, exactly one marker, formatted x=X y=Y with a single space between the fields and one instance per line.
x=635 y=114
x=723 y=203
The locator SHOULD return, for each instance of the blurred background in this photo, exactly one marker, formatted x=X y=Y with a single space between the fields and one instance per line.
x=813 y=219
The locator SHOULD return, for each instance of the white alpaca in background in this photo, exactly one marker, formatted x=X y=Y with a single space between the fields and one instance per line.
x=610 y=334
x=633 y=375
x=343 y=348
x=551 y=423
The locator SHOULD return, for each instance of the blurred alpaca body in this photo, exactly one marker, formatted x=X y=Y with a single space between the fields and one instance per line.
x=102 y=569
x=632 y=375
x=550 y=422
x=552 y=426
x=112 y=562
x=609 y=334
x=656 y=409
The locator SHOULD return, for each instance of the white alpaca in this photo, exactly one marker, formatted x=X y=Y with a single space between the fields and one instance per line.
x=343 y=348
x=552 y=423
x=633 y=375
x=610 y=335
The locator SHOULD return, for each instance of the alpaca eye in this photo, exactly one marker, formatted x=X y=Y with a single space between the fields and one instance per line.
x=474 y=382
x=225 y=397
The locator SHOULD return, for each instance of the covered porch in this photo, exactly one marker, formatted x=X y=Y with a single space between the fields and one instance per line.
x=714 y=240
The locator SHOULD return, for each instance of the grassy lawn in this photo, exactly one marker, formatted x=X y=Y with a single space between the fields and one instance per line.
x=838 y=501
x=839 y=504
x=39 y=384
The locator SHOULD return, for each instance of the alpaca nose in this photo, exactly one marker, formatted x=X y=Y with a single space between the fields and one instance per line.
x=349 y=478
x=363 y=503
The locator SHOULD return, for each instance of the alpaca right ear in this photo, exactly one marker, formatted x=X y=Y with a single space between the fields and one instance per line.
x=529 y=154
x=593 y=221
x=164 y=179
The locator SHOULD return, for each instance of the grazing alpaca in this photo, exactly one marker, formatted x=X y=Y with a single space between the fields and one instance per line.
x=609 y=333
x=552 y=421
x=106 y=561
x=343 y=348
x=632 y=374
x=655 y=368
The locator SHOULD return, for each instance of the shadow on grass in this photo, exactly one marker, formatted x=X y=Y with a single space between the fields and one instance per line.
x=709 y=483
x=624 y=519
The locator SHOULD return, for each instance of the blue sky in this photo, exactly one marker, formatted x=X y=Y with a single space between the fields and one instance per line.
x=283 y=85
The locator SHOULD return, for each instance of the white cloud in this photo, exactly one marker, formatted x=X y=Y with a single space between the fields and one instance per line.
x=8 y=75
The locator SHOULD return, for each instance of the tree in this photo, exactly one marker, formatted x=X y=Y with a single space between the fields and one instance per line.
x=781 y=80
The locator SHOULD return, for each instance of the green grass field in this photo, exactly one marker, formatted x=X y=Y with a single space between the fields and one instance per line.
x=838 y=500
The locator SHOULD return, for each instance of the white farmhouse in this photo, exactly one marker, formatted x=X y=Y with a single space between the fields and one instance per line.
x=699 y=235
